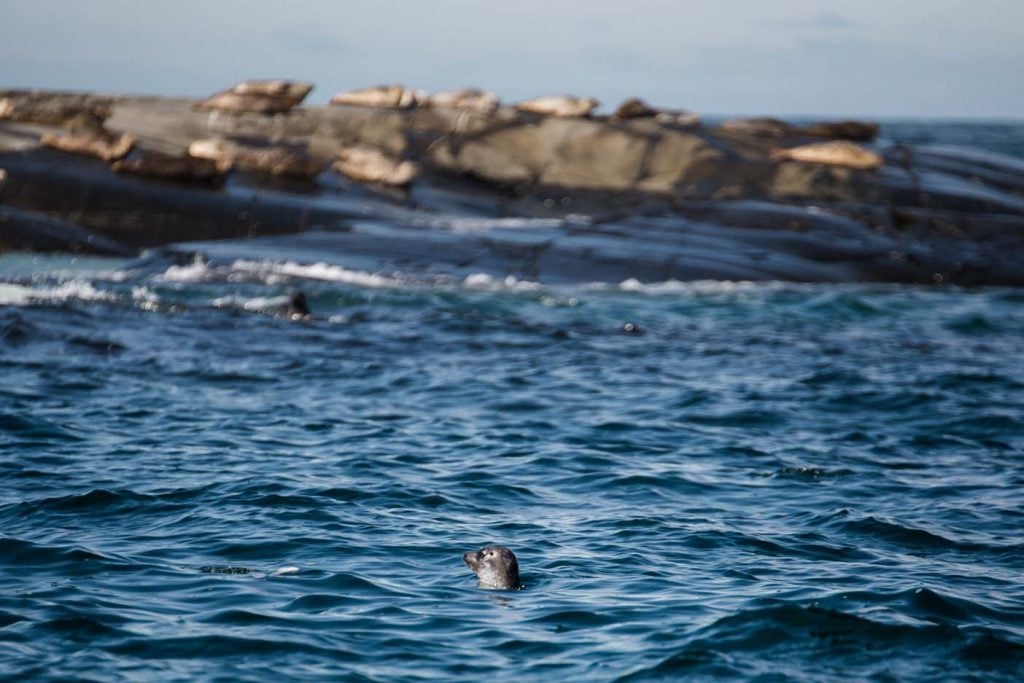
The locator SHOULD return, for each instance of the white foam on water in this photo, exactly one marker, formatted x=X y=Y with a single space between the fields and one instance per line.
x=197 y=271
x=15 y=295
x=145 y=298
x=19 y=295
x=259 y=303
x=691 y=287
x=469 y=224
x=276 y=272
x=509 y=283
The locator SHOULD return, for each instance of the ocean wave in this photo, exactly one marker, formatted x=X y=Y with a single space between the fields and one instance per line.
x=769 y=640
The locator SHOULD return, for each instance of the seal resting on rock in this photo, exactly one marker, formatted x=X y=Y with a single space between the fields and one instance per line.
x=168 y=167
x=471 y=99
x=295 y=91
x=88 y=137
x=761 y=127
x=678 y=117
x=833 y=153
x=370 y=165
x=108 y=149
x=562 y=106
x=279 y=160
x=261 y=97
x=636 y=108
x=381 y=96
x=862 y=131
x=495 y=567
x=52 y=110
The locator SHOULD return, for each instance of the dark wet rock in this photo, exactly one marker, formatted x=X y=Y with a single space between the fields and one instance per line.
x=27 y=230
x=664 y=200
x=139 y=212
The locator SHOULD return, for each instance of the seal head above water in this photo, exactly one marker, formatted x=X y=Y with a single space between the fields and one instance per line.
x=495 y=567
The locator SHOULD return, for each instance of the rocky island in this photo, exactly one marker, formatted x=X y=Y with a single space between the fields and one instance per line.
x=641 y=193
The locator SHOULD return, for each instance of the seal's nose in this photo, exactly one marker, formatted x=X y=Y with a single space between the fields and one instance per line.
x=470 y=558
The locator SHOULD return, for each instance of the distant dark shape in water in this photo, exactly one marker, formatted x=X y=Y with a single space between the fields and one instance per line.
x=631 y=328
x=495 y=567
x=298 y=307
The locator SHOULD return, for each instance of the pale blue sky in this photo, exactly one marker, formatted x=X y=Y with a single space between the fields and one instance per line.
x=886 y=58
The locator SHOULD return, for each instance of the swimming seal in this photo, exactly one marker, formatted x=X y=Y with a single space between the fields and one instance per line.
x=495 y=567
x=298 y=306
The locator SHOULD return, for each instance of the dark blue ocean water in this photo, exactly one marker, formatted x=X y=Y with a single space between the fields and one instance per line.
x=771 y=481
